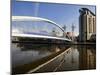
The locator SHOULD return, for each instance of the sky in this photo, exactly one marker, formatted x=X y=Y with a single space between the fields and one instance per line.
x=63 y=14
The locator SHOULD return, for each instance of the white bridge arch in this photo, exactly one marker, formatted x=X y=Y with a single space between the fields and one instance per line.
x=34 y=19
x=28 y=18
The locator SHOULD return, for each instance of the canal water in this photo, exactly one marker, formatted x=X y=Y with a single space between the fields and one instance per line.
x=37 y=58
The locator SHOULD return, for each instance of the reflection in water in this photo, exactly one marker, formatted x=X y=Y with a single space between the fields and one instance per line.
x=25 y=53
x=73 y=58
x=87 y=57
x=76 y=58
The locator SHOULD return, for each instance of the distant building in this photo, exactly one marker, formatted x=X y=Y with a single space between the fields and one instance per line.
x=71 y=35
x=87 y=24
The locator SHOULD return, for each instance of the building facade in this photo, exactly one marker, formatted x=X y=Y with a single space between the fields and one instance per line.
x=87 y=24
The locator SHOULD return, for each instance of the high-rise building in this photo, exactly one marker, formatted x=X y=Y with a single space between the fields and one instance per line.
x=87 y=24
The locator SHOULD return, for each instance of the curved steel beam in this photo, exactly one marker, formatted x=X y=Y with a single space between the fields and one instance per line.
x=28 y=18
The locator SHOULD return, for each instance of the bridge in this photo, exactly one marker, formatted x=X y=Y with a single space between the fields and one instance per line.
x=55 y=33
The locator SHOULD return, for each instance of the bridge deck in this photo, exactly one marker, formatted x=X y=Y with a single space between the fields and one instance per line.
x=39 y=36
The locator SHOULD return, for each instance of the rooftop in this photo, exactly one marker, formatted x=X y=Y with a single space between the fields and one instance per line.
x=86 y=9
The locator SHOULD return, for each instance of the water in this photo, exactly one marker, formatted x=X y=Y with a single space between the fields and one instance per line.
x=26 y=58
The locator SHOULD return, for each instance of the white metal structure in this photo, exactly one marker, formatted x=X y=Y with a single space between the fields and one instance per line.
x=34 y=19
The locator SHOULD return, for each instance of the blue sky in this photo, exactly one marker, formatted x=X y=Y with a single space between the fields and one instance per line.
x=63 y=14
